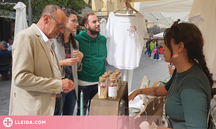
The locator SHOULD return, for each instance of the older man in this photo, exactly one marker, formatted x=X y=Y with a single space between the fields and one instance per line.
x=10 y=44
x=5 y=59
x=36 y=77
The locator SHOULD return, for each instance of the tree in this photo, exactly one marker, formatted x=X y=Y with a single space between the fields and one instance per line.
x=5 y=9
x=153 y=30
x=38 y=5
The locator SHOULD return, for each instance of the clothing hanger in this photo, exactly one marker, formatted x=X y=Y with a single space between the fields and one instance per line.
x=128 y=5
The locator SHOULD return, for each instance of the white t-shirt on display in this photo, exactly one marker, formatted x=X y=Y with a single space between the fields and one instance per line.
x=102 y=26
x=125 y=40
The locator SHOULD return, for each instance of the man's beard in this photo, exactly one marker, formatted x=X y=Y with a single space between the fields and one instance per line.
x=93 y=32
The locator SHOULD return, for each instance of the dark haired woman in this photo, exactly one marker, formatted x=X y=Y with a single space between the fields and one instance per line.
x=188 y=93
x=66 y=48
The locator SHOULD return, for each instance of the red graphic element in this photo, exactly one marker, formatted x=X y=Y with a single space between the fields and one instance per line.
x=132 y=31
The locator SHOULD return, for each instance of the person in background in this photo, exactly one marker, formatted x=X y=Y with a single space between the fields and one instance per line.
x=189 y=91
x=161 y=50
x=10 y=44
x=36 y=76
x=156 y=55
x=93 y=47
x=67 y=51
x=5 y=55
x=147 y=47
x=151 y=49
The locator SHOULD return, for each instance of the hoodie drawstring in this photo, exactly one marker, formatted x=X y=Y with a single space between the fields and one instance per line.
x=97 y=46
x=89 y=52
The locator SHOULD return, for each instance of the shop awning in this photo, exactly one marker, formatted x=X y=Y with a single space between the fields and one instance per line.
x=203 y=14
x=165 y=11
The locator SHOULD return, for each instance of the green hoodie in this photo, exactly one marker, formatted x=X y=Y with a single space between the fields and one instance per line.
x=95 y=52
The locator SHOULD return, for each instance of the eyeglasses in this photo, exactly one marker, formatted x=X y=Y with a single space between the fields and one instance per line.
x=60 y=25
x=74 y=21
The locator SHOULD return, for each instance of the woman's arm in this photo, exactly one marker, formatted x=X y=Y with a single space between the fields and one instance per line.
x=68 y=62
x=153 y=91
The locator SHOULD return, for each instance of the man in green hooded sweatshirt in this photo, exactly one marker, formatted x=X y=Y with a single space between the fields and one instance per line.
x=93 y=47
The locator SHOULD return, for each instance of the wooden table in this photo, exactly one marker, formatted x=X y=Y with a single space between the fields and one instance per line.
x=109 y=106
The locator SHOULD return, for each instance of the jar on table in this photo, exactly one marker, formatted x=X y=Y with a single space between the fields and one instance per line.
x=110 y=72
x=102 y=88
x=118 y=70
x=117 y=74
x=105 y=75
x=112 y=89
x=113 y=76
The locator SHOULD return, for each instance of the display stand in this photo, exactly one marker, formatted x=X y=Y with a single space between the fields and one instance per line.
x=109 y=106
x=128 y=76
x=128 y=72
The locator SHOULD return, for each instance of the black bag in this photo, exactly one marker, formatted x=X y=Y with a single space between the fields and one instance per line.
x=168 y=122
x=210 y=122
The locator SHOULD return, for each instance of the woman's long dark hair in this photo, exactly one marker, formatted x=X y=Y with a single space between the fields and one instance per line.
x=192 y=38
x=60 y=37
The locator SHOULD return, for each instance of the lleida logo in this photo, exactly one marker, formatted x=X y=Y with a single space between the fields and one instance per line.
x=132 y=31
x=7 y=122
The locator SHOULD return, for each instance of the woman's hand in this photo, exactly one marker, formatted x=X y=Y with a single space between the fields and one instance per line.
x=78 y=54
x=68 y=62
x=170 y=69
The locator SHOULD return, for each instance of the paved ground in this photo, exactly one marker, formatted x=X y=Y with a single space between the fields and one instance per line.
x=154 y=70
x=4 y=96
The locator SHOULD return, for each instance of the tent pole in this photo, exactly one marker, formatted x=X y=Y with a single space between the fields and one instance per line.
x=128 y=74
x=30 y=13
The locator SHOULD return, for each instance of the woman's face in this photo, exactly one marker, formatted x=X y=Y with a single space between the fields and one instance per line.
x=72 y=23
x=167 y=52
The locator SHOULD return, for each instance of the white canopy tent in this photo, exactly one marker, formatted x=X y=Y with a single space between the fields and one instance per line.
x=203 y=14
x=165 y=11
x=159 y=35
x=20 y=21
